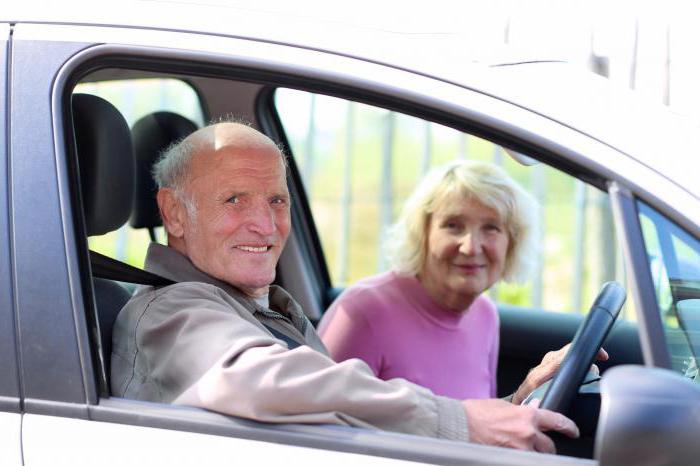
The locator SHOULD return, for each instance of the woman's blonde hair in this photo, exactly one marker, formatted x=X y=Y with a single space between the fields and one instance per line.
x=487 y=184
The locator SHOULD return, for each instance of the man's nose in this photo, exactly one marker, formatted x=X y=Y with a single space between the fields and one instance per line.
x=261 y=219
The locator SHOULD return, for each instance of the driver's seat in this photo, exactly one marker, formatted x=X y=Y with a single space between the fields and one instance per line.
x=106 y=166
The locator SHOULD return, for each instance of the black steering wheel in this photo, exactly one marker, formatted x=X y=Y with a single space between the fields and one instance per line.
x=584 y=347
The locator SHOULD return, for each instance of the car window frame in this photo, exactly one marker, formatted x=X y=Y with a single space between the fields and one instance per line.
x=666 y=231
x=9 y=384
x=651 y=334
x=302 y=217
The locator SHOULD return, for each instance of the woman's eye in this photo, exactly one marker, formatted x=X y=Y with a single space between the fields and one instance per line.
x=493 y=228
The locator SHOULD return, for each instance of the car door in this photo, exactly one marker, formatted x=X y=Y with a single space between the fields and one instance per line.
x=65 y=414
x=68 y=411
x=10 y=406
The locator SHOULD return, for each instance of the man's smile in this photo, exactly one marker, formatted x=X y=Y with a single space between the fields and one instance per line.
x=255 y=249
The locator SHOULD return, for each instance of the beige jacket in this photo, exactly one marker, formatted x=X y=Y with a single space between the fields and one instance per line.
x=200 y=342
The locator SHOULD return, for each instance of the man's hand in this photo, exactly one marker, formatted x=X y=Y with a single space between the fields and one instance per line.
x=499 y=423
x=546 y=370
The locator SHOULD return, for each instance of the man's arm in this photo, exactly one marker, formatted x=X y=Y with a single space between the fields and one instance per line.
x=202 y=348
x=225 y=361
x=269 y=383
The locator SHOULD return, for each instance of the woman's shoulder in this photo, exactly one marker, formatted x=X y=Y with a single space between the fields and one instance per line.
x=372 y=290
x=484 y=305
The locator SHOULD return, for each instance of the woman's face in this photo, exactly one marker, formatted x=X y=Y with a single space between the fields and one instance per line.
x=466 y=246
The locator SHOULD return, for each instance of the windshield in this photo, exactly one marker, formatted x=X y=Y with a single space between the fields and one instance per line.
x=674 y=259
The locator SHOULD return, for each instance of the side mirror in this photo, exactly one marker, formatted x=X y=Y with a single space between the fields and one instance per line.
x=648 y=417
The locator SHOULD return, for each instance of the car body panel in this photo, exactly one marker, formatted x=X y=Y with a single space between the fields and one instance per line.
x=44 y=291
x=328 y=443
x=78 y=442
x=10 y=431
x=9 y=383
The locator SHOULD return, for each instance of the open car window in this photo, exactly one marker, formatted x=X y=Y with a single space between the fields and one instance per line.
x=358 y=164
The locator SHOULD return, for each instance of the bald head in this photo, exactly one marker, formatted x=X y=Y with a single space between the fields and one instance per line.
x=229 y=135
x=173 y=168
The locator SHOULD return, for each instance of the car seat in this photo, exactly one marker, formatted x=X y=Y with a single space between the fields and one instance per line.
x=152 y=134
x=106 y=167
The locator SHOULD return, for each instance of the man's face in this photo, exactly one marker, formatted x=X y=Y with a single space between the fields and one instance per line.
x=241 y=218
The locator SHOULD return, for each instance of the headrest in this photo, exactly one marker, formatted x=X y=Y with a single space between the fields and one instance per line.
x=105 y=161
x=153 y=134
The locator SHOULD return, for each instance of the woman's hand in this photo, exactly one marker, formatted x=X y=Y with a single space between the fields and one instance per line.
x=546 y=370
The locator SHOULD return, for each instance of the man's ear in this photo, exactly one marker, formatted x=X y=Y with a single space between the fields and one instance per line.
x=172 y=211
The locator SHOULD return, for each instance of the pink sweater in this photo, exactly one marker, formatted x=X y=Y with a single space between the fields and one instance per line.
x=391 y=323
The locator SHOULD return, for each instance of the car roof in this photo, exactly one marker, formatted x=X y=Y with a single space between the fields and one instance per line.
x=647 y=131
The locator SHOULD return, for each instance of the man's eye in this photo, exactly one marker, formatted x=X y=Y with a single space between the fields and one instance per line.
x=494 y=228
x=233 y=200
x=278 y=200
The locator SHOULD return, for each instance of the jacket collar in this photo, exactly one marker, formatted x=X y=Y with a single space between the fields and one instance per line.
x=170 y=263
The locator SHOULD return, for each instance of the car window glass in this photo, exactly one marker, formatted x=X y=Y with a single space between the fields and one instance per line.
x=135 y=98
x=358 y=164
x=674 y=262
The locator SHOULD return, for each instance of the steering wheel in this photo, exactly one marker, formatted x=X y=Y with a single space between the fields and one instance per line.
x=584 y=347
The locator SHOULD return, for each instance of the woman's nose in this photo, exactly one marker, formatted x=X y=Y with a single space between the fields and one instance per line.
x=470 y=243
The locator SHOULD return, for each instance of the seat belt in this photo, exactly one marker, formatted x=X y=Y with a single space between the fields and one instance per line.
x=112 y=269
x=291 y=343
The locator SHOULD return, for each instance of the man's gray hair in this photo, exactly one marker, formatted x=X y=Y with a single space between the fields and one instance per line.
x=170 y=171
x=488 y=185
x=172 y=167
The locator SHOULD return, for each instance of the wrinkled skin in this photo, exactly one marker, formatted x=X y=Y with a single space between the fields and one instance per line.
x=499 y=423
x=546 y=370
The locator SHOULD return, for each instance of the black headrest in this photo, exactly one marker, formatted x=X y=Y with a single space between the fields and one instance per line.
x=153 y=134
x=105 y=161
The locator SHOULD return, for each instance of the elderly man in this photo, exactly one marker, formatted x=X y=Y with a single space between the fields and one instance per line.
x=224 y=339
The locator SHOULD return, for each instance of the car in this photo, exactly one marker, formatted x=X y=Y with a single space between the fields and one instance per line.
x=617 y=177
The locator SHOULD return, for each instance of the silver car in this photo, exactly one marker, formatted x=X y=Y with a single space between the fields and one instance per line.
x=362 y=113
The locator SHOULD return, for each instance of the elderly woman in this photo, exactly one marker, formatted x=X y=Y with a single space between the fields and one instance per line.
x=467 y=226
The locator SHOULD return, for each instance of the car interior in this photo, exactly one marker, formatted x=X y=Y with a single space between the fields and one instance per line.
x=116 y=147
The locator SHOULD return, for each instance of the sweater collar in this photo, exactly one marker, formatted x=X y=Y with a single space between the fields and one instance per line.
x=429 y=307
